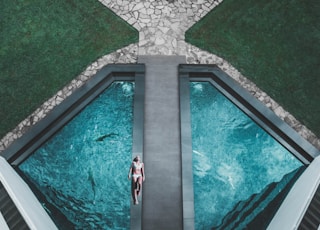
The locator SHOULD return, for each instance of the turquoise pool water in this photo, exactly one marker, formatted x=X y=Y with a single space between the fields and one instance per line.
x=233 y=157
x=82 y=170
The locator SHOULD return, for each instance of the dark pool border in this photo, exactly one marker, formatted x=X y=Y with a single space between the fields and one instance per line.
x=262 y=115
x=66 y=110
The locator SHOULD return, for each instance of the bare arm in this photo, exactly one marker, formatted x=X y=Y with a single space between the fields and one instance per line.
x=142 y=172
x=130 y=172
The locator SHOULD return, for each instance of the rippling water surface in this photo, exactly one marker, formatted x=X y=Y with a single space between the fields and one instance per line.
x=83 y=169
x=233 y=157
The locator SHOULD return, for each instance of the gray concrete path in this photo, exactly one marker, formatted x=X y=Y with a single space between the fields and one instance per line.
x=162 y=193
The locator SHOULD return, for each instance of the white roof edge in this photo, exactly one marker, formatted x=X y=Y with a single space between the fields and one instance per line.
x=3 y=223
x=24 y=199
x=298 y=199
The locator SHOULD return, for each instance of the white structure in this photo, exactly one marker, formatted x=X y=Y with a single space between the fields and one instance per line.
x=297 y=201
x=24 y=199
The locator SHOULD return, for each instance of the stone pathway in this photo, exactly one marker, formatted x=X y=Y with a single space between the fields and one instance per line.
x=161 y=25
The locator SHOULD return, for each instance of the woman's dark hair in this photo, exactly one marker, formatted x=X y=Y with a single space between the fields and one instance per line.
x=135 y=159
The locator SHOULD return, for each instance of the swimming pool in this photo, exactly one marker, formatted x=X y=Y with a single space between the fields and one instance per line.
x=82 y=169
x=232 y=146
x=233 y=157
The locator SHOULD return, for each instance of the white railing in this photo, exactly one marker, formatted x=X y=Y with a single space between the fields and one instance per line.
x=26 y=202
x=297 y=201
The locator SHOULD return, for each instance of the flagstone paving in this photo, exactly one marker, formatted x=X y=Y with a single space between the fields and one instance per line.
x=161 y=25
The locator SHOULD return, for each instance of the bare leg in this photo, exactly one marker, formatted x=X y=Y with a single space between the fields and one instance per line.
x=134 y=190
x=139 y=184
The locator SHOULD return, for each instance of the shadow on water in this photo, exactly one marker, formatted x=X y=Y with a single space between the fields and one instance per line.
x=106 y=136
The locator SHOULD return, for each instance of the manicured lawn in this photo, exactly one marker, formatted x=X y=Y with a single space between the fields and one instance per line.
x=44 y=44
x=274 y=43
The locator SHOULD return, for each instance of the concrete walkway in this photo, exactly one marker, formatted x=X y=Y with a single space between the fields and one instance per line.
x=162 y=197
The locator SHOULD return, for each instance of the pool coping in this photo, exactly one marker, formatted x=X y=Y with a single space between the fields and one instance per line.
x=21 y=148
x=238 y=95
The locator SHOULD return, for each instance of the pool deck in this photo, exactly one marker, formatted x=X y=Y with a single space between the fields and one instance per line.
x=162 y=197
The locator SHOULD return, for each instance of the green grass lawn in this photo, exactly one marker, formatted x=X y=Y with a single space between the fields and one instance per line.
x=44 y=44
x=276 y=44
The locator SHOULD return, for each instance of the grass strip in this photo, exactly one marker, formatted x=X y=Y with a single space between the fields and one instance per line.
x=276 y=44
x=44 y=44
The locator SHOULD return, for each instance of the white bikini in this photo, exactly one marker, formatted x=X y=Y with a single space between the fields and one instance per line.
x=137 y=166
